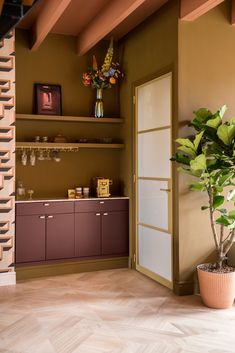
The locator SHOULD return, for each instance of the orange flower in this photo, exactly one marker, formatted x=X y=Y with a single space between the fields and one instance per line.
x=112 y=80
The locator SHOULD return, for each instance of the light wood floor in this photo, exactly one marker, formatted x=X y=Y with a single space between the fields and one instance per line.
x=117 y=311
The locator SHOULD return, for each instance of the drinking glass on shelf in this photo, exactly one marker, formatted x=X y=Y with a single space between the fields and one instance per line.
x=30 y=192
x=48 y=156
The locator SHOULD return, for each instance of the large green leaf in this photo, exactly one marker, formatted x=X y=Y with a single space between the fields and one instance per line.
x=226 y=133
x=223 y=220
x=198 y=164
x=197 y=187
x=224 y=178
x=186 y=143
x=202 y=114
x=231 y=214
x=214 y=123
x=231 y=195
x=222 y=111
x=232 y=121
x=218 y=201
x=187 y=150
x=197 y=140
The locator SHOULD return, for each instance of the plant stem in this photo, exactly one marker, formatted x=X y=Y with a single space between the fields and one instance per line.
x=209 y=191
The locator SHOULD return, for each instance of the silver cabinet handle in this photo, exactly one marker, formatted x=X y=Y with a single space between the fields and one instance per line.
x=97 y=214
x=50 y=216
x=46 y=204
x=101 y=202
x=105 y=214
x=42 y=217
x=167 y=190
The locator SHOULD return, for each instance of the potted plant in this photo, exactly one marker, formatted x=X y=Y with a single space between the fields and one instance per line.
x=209 y=157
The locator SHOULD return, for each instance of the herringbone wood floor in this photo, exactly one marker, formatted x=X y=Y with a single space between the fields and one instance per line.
x=117 y=311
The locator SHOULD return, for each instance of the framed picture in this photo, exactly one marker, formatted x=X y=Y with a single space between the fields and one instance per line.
x=47 y=99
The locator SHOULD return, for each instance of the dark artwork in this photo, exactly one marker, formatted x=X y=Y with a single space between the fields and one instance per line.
x=47 y=99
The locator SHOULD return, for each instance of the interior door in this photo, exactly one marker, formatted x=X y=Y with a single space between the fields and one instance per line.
x=154 y=179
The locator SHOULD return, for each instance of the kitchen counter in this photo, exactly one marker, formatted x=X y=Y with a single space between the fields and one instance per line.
x=66 y=199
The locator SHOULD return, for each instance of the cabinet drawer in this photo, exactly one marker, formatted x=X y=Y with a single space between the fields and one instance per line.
x=44 y=208
x=101 y=205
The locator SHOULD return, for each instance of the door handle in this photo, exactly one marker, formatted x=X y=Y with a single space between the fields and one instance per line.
x=167 y=190
x=97 y=214
x=42 y=217
x=46 y=204
x=101 y=202
x=105 y=214
x=50 y=216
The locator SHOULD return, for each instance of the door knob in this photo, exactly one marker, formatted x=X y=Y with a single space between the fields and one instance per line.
x=46 y=204
x=105 y=214
x=50 y=216
x=42 y=217
x=97 y=214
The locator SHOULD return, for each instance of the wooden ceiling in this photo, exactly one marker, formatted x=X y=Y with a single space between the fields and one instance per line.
x=92 y=20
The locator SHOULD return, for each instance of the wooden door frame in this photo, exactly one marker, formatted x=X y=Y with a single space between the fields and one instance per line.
x=167 y=70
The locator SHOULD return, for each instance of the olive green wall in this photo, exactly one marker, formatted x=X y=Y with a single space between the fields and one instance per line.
x=146 y=52
x=206 y=79
x=56 y=62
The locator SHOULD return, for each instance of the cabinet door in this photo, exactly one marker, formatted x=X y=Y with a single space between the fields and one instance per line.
x=88 y=234
x=60 y=236
x=30 y=238
x=115 y=238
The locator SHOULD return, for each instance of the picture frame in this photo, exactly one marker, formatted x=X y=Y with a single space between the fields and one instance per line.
x=47 y=99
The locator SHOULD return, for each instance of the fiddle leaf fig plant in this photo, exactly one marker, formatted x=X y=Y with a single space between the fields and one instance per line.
x=209 y=157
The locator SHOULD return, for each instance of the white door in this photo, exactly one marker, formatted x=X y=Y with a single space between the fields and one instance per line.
x=153 y=179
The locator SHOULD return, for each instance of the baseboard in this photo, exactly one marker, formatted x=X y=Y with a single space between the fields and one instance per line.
x=184 y=288
x=7 y=278
x=55 y=269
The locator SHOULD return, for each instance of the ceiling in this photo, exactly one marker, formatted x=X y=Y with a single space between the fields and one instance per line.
x=89 y=20
x=93 y=20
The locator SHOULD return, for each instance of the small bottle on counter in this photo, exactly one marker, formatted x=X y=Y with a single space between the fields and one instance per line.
x=20 y=191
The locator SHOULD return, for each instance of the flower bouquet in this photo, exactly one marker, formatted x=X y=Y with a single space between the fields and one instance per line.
x=103 y=78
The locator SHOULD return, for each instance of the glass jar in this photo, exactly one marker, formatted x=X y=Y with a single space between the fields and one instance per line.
x=78 y=193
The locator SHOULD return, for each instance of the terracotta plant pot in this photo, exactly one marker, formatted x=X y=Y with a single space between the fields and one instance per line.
x=217 y=289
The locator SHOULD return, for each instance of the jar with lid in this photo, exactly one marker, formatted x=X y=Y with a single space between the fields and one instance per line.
x=78 y=192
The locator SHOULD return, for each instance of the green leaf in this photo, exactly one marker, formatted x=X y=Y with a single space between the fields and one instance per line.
x=187 y=150
x=231 y=195
x=184 y=170
x=202 y=114
x=231 y=215
x=185 y=142
x=198 y=164
x=232 y=121
x=222 y=111
x=197 y=187
x=224 y=178
x=197 y=140
x=203 y=208
x=214 y=123
x=223 y=220
x=223 y=211
x=218 y=201
x=226 y=133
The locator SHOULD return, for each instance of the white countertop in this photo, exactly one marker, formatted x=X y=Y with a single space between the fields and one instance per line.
x=66 y=199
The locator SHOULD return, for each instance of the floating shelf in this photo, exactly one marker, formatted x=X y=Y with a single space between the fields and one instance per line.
x=62 y=118
x=65 y=146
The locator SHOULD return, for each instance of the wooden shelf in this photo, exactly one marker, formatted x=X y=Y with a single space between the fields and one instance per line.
x=65 y=146
x=61 y=118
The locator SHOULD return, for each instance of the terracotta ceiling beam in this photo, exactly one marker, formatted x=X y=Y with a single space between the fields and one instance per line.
x=28 y=2
x=1 y=6
x=47 y=18
x=109 y=18
x=233 y=12
x=191 y=10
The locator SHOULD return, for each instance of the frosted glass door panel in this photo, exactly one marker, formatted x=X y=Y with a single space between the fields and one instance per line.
x=155 y=251
x=153 y=203
x=154 y=104
x=154 y=153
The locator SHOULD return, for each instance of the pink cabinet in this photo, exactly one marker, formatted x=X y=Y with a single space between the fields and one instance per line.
x=63 y=230
x=115 y=233
x=30 y=238
x=59 y=236
x=87 y=234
